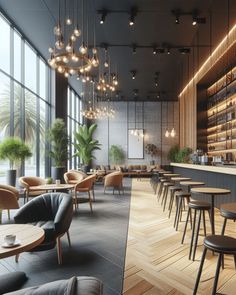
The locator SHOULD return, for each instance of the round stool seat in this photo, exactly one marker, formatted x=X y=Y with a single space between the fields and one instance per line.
x=164 y=180
x=228 y=210
x=175 y=188
x=201 y=205
x=183 y=194
x=168 y=184
x=219 y=243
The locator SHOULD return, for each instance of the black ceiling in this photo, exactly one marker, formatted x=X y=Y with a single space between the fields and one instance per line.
x=154 y=24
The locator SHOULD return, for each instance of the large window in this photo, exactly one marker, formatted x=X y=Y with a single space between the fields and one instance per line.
x=74 y=120
x=24 y=98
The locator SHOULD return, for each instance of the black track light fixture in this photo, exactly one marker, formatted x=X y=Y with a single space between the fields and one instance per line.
x=154 y=50
x=176 y=13
x=184 y=50
x=134 y=48
x=133 y=73
x=133 y=13
x=103 y=16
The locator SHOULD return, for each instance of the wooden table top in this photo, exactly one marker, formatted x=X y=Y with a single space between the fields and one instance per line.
x=30 y=236
x=191 y=183
x=210 y=190
x=171 y=175
x=47 y=187
x=180 y=178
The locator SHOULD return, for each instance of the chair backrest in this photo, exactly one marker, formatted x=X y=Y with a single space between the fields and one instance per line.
x=27 y=181
x=113 y=179
x=87 y=182
x=10 y=188
x=74 y=176
x=56 y=207
x=8 y=199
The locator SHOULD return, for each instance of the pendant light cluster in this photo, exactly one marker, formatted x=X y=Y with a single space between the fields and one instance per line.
x=64 y=56
x=136 y=131
x=171 y=133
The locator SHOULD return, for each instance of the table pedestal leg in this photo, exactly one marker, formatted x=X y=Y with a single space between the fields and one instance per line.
x=213 y=214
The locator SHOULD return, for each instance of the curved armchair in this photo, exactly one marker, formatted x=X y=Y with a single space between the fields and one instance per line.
x=85 y=185
x=52 y=212
x=27 y=182
x=115 y=180
x=74 y=176
x=9 y=196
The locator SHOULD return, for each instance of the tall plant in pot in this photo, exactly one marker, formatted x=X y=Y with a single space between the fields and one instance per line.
x=116 y=154
x=85 y=145
x=59 y=140
x=16 y=151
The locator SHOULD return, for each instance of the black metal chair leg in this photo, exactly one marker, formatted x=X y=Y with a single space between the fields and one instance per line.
x=192 y=238
x=186 y=224
x=204 y=222
x=176 y=211
x=197 y=234
x=217 y=274
x=200 y=271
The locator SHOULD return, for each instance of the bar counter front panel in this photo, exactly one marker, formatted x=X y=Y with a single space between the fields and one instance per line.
x=212 y=176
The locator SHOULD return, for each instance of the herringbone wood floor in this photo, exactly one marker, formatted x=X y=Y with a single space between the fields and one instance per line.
x=156 y=262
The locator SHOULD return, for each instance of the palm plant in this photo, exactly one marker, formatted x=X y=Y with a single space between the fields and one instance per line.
x=30 y=114
x=85 y=145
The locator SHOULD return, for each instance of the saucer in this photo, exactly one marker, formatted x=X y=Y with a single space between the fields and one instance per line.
x=16 y=243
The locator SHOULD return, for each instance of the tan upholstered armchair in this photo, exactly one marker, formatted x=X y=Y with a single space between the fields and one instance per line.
x=27 y=182
x=115 y=180
x=74 y=176
x=9 y=196
x=85 y=185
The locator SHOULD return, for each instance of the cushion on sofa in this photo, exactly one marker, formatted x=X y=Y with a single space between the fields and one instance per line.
x=73 y=286
x=12 y=281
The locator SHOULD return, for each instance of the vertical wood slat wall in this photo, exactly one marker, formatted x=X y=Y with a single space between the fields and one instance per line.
x=188 y=96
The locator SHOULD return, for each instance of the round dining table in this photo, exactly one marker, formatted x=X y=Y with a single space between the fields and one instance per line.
x=212 y=192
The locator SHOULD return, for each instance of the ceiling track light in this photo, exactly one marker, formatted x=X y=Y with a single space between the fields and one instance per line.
x=103 y=16
x=133 y=13
x=154 y=51
x=133 y=73
x=184 y=50
x=168 y=51
x=134 y=48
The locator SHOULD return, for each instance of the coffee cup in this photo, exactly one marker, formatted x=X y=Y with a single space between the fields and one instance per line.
x=10 y=239
x=58 y=182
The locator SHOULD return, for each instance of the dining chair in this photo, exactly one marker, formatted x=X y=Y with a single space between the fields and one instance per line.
x=28 y=182
x=9 y=196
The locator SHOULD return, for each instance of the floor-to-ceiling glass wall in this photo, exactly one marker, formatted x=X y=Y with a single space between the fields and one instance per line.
x=24 y=97
x=74 y=120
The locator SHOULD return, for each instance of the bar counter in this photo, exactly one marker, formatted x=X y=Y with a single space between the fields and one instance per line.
x=212 y=176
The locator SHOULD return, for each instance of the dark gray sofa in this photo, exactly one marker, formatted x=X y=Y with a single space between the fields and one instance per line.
x=74 y=286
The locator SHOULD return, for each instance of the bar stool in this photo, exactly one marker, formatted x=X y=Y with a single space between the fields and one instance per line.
x=181 y=197
x=221 y=245
x=200 y=207
x=167 y=185
x=160 y=191
x=174 y=189
x=228 y=211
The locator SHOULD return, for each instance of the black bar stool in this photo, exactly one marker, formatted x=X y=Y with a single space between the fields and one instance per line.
x=219 y=244
x=181 y=197
x=167 y=185
x=173 y=190
x=199 y=207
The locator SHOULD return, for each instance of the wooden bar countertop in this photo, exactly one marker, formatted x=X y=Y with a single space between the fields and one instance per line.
x=216 y=169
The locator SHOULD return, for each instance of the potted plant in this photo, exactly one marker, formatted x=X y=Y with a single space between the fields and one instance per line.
x=173 y=153
x=116 y=154
x=16 y=151
x=85 y=145
x=151 y=149
x=59 y=140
